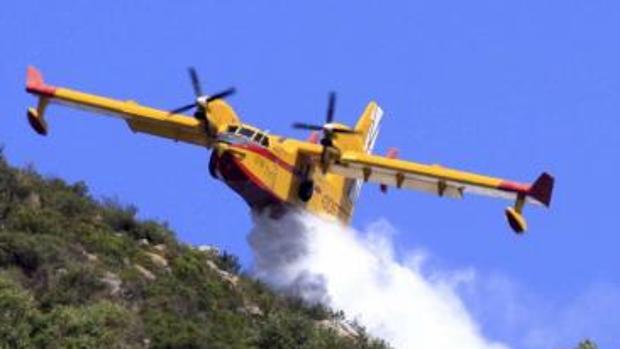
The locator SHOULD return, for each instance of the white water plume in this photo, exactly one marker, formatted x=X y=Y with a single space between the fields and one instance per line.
x=358 y=273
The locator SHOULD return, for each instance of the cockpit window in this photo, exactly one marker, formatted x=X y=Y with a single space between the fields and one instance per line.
x=246 y=132
x=261 y=139
x=249 y=134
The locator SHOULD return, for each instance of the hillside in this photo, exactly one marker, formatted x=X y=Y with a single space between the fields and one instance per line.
x=83 y=273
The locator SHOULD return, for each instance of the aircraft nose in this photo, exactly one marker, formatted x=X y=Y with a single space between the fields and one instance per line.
x=228 y=167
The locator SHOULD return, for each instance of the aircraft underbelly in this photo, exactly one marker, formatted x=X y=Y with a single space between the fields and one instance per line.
x=240 y=178
x=254 y=183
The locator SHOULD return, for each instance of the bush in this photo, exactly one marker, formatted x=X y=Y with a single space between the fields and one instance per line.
x=76 y=285
x=114 y=250
x=587 y=344
x=154 y=232
x=122 y=218
x=72 y=202
x=228 y=262
x=167 y=330
x=17 y=313
x=101 y=325
x=283 y=331
x=30 y=252
x=35 y=221
x=7 y=185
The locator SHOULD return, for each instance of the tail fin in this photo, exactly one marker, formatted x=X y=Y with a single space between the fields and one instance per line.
x=368 y=125
x=542 y=189
x=367 y=128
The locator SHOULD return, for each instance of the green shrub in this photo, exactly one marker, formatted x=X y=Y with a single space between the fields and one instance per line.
x=190 y=266
x=283 y=331
x=35 y=221
x=587 y=344
x=76 y=285
x=29 y=252
x=101 y=325
x=228 y=262
x=72 y=202
x=17 y=313
x=114 y=250
x=170 y=331
x=152 y=231
x=230 y=329
x=120 y=218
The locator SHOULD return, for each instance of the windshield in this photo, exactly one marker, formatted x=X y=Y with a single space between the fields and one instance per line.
x=249 y=134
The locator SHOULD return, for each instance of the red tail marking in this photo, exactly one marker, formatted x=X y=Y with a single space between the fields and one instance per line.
x=392 y=153
x=314 y=137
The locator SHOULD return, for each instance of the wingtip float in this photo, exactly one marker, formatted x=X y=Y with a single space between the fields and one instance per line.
x=540 y=192
x=322 y=175
x=36 y=85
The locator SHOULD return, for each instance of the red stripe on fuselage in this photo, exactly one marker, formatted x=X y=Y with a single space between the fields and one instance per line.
x=257 y=182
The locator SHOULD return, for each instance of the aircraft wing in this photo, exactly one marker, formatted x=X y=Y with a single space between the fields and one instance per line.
x=139 y=118
x=439 y=180
x=443 y=181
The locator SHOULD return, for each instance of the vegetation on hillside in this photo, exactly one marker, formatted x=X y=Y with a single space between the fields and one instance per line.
x=76 y=272
x=587 y=344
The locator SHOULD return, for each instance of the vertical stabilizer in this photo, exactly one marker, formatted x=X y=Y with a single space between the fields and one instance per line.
x=368 y=125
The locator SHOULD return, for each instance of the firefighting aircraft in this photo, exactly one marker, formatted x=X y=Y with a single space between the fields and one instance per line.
x=322 y=174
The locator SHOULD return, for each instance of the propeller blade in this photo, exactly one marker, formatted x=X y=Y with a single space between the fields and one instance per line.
x=331 y=104
x=183 y=108
x=222 y=95
x=195 y=81
x=303 y=126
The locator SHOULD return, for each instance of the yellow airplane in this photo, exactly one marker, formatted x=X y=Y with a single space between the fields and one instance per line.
x=323 y=174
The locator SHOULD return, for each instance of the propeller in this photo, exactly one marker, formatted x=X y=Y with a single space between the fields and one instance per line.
x=328 y=129
x=329 y=118
x=202 y=101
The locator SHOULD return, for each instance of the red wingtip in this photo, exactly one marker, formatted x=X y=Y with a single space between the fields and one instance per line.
x=33 y=77
x=542 y=189
x=35 y=83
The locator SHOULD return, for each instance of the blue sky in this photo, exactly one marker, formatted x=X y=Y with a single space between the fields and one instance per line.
x=503 y=88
